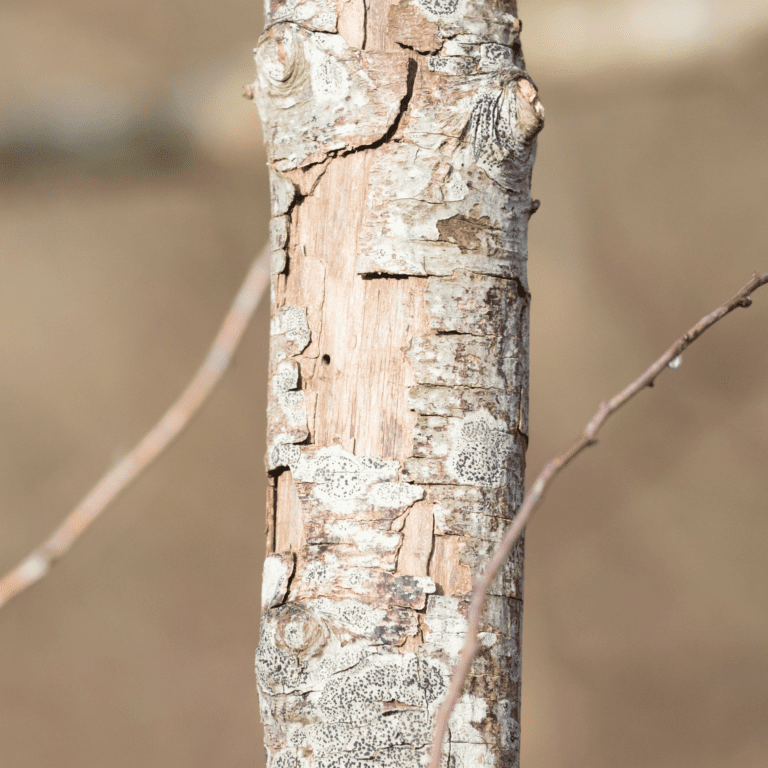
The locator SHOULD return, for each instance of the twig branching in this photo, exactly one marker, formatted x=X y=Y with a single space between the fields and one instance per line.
x=534 y=496
x=38 y=563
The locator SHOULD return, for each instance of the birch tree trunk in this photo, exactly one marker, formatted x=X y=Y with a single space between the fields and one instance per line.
x=401 y=137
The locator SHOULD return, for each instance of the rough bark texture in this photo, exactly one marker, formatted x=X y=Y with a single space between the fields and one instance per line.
x=401 y=138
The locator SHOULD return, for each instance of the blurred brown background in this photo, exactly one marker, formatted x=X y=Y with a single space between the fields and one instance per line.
x=132 y=197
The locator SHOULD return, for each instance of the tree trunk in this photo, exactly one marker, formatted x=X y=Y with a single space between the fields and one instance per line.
x=401 y=138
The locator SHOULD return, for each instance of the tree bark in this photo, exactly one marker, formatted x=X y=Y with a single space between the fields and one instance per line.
x=401 y=137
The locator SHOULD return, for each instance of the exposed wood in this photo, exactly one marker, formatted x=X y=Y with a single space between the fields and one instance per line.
x=401 y=138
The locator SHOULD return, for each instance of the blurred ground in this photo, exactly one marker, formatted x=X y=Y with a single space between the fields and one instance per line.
x=133 y=196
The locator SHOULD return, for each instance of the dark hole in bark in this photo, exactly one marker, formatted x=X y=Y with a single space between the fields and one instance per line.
x=326 y=359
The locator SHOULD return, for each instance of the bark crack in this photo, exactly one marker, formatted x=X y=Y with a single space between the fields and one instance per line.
x=404 y=103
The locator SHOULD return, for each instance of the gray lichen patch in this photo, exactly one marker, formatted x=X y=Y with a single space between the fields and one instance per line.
x=444 y=214
x=445 y=628
x=467 y=522
x=461 y=361
x=340 y=474
x=376 y=714
x=344 y=497
x=394 y=497
x=457 y=502
x=374 y=537
x=382 y=626
x=473 y=20
x=289 y=332
x=476 y=450
x=459 y=176
x=367 y=585
x=509 y=581
x=459 y=57
x=501 y=130
x=282 y=455
x=288 y=407
x=430 y=400
x=480 y=305
x=310 y=90
x=318 y=15
x=323 y=557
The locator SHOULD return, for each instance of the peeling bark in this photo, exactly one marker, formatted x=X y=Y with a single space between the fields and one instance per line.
x=401 y=137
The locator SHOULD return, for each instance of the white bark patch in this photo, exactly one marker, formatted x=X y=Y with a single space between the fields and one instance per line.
x=461 y=361
x=278 y=240
x=395 y=496
x=282 y=455
x=459 y=178
x=341 y=474
x=334 y=484
x=287 y=411
x=476 y=553
x=469 y=709
x=445 y=628
x=289 y=331
x=311 y=90
x=319 y=15
x=288 y=414
x=278 y=262
x=278 y=232
x=480 y=305
x=473 y=20
x=277 y=572
x=300 y=649
x=282 y=192
x=470 y=514
x=366 y=585
x=375 y=715
x=354 y=619
x=471 y=755
x=324 y=557
x=476 y=449
x=446 y=623
x=453 y=401
x=449 y=502
x=367 y=537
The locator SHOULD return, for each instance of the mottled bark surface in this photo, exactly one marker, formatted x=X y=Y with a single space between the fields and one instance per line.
x=401 y=138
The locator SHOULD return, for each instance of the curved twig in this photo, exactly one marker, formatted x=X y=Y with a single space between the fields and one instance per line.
x=534 y=495
x=38 y=563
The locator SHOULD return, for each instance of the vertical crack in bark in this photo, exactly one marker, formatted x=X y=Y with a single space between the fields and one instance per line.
x=364 y=44
x=404 y=102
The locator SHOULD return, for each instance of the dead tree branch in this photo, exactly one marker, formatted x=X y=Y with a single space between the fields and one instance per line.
x=534 y=496
x=176 y=418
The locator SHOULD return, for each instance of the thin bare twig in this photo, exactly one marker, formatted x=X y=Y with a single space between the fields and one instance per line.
x=534 y=495
x=175 y=419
